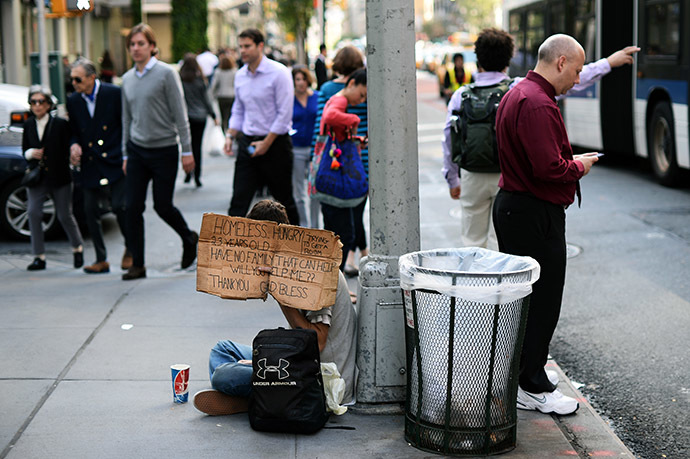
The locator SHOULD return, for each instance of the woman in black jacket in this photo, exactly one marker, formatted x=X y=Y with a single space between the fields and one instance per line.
x=45 y=144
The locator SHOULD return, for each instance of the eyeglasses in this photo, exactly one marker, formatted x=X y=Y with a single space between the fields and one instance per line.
x=76 y=79
x=37 y=101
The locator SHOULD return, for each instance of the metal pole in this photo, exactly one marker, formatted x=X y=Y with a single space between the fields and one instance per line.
x=42 y=45
x=322 y=19
x=394 y=194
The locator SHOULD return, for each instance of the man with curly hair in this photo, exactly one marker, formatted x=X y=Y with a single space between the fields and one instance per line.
x=494 y=49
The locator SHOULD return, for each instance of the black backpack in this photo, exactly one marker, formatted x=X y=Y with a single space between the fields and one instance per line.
x=287 y=388
x=473 y=127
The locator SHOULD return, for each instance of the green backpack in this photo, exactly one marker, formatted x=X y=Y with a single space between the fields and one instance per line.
x=473 y=127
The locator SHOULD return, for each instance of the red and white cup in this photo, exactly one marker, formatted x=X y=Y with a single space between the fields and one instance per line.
x=180 y=382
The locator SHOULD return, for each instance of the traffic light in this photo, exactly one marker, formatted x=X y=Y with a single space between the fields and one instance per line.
x=58 y=7
x=69 y=8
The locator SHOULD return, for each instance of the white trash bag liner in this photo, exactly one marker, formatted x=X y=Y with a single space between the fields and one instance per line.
x=470 y=273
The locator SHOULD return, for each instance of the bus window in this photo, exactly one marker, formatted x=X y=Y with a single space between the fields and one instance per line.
x=663 y=31
x=516 y=29
x=535 y=36
x=585 y=25
x=557 y=19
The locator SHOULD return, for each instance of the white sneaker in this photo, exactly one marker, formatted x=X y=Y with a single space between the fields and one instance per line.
x=553 y=377
x=546 y=402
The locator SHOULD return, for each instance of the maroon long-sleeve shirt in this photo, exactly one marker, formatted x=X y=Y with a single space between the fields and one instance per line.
x=533 y=148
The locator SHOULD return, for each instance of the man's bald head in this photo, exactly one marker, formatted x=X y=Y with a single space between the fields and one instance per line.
x=559 y=45
x=560 y=62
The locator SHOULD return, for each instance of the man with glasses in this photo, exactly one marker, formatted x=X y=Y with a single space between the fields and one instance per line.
x=95 y=115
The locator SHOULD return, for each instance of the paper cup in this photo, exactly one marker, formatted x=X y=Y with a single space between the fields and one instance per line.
x=180 y=383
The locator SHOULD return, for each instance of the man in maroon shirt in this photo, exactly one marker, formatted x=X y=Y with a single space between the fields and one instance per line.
x=539 y=179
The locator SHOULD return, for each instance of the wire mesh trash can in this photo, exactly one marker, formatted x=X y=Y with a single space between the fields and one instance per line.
x=465 y=317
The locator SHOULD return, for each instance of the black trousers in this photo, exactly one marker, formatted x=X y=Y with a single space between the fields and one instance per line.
x=531 y=227
x=340 y=220
x=114 y=193
x=360 y=241
x=143 y=166
x=273 y=169
x=196 y=128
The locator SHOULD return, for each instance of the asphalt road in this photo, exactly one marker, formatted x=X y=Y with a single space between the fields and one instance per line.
x=624 y=326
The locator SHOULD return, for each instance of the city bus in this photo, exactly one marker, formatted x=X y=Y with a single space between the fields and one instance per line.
x=640 y=109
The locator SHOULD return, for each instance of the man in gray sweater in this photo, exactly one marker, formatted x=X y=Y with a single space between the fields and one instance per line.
x=154 y=117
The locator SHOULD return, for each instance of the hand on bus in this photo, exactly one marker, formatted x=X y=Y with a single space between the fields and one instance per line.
x=623 y=56
x=587 y=160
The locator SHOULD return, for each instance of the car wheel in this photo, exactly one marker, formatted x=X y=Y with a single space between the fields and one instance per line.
x=662 y=145
x=14 y=215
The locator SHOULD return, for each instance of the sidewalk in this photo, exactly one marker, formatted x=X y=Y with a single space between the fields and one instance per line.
x=75 y=383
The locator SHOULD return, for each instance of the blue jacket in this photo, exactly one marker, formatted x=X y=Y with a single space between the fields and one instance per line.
x=100 y=137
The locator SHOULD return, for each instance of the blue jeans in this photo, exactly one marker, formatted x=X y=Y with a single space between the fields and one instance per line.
x=226 y=374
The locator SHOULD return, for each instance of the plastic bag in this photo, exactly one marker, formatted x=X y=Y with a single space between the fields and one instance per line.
x=334 y=387
x=214 y=141
x=471 y=273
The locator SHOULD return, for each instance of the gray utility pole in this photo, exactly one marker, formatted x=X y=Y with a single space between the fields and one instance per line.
x=42 y=45
x=394 y=194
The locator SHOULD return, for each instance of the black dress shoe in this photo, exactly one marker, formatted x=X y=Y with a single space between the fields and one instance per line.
x=37 y=264
x=135 y=272
x=189 y=251
x=78 y=259
x=187 y=178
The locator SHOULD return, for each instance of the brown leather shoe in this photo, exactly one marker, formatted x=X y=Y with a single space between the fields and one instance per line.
x=135 y=272
x=98 y=268
x=126 y=260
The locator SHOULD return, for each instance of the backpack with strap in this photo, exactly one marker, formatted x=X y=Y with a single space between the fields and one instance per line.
x=287 y=388
x=473 y=127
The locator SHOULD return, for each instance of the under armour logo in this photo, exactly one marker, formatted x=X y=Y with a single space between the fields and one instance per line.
x=281 y=369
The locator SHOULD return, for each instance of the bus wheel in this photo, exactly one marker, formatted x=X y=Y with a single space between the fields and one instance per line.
x=662 y=145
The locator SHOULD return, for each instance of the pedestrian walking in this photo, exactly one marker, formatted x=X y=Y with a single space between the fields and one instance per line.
x=95 y=117
x=66 y=69
x=223 y=88
x=470 y=158
x=320 y=68
x=208 y=62
x=260 y=121
x=45 y=143
x=346 y=61
x=303 y=119
x=539 y=180
x=341 y=218
x=198 y=109
x=456 y=76
x=107 y=67
x=154 y=116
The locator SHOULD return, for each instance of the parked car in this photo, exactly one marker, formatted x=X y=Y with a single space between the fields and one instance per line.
x=14 y=105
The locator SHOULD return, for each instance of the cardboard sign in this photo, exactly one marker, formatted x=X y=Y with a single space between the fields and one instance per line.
x=304 y=262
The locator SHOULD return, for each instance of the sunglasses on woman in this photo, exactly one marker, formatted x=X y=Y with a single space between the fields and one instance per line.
x=37 y=101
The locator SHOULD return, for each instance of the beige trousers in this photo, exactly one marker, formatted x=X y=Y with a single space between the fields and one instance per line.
x=478 y=191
